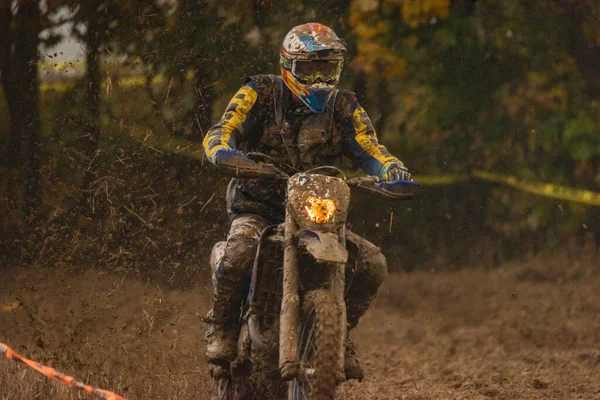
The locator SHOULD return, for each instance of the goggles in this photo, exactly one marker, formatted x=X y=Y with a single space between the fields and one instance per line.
x=309 y=71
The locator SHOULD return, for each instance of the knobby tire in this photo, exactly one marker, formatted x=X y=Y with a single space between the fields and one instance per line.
x=320 y=339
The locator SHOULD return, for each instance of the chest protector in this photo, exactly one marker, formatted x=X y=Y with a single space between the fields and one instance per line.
x=294 y=136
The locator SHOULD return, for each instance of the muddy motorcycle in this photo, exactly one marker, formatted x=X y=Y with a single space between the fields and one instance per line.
x=293 y=336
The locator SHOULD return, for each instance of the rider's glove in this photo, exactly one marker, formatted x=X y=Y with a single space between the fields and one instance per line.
x=394 y=172
x=233 y=157
x=235 y=163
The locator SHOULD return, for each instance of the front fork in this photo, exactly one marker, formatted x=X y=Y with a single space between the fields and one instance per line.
x=290 y=303
x=337 y=281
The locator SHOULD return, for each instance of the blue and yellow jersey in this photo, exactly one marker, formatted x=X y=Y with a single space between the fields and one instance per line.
x=237 y=121
x=359 y=142
x=358 y=137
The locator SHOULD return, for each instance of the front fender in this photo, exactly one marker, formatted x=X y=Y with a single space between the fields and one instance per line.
x=325 y=247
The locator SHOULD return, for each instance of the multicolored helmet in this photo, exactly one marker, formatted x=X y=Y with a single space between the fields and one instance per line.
x=311 y=60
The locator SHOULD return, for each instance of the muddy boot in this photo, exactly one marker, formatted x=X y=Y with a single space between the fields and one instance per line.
x=352 y=366
x=231 y=264
x=222 y=344
x=222 y=337
x=224 y=328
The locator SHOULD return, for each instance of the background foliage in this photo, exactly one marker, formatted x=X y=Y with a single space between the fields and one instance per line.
x=509 y=86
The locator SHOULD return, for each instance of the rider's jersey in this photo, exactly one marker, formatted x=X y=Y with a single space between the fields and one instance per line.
x=262 y=117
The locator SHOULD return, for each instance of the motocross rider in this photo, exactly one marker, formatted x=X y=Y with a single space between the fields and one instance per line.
x=301 y=120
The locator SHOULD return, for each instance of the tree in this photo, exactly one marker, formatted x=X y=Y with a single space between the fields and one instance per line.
x=21 y=28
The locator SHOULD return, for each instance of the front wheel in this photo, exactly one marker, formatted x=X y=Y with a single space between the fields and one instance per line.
x=319 y=341
x=228 y=388
x=222 y=389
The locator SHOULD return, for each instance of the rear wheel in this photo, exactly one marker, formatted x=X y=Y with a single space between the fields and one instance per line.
x=320 y=339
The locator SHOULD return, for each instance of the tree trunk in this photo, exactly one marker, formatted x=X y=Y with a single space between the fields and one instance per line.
x=25 y=121
x=6 y=18
x=11 y=153
x=92 y=98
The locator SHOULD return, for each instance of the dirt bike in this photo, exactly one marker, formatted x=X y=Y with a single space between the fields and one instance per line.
x=293 y=336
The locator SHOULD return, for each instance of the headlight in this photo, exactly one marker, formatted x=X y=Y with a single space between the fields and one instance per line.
x=319 y=210
x=318 y=201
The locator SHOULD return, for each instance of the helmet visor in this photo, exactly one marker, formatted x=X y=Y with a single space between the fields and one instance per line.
x=310 y=71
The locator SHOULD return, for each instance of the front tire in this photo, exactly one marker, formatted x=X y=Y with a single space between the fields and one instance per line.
x=319 y=341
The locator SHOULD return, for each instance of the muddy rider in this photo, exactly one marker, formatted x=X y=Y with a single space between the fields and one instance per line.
x=301 y=120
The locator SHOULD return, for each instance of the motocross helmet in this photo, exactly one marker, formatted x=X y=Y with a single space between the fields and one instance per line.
x=311 y=60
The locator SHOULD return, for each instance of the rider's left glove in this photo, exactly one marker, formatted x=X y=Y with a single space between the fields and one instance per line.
x=394 y=172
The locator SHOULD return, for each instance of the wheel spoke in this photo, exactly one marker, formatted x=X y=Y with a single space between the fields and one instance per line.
x=316 y=355
x=309 y=342
x=304 y=396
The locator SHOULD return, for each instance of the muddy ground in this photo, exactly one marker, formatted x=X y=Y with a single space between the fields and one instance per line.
x=526 y=330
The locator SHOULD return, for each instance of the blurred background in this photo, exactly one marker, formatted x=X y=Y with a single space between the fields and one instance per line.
x=109 y=209
x=104 y=104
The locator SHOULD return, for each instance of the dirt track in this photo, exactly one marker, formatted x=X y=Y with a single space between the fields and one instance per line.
x=523 y=331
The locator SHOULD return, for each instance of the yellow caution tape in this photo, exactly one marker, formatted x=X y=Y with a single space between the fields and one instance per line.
x=62 y=65
x=159 y=80
x=80 y=66
x=441 y=180
x=544 y=189
x=56 y=86
x=125 y=81
x=130 y=81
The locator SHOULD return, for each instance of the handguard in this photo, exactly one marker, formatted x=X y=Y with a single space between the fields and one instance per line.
x=263 y=171
x=250 y=166
x=393 y=190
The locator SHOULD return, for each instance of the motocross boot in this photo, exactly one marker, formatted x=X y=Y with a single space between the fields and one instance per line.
x=231 y=263
x=223 y=331
x=352 y=366
x=222 y=339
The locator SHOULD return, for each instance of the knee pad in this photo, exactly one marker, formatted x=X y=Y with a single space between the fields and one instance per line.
x=234 y=259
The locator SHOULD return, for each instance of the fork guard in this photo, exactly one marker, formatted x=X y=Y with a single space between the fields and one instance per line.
x=325 y=247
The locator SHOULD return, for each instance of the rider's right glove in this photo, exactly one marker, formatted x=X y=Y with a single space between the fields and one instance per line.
x=394 y=172
x=233 y=157
x=235 y=163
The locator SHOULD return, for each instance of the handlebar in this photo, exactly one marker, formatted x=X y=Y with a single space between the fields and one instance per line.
x=262 y=171
x=394 y=190
x=258 y=170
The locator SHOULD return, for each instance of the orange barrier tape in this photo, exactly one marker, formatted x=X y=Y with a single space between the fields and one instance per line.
x=57 y=376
